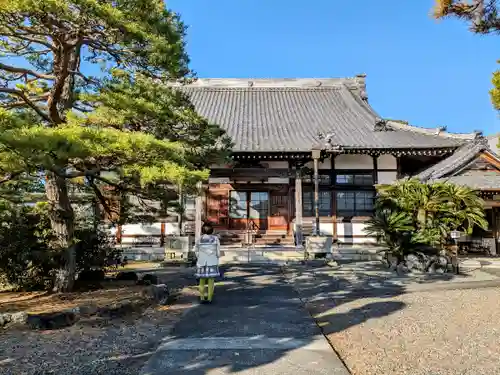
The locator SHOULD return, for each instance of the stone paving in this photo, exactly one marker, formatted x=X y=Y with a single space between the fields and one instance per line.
x=256 y=325
x=384 y=324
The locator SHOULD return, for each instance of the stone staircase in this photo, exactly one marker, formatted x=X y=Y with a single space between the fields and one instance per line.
x=357 y=252
x=260 y=254
x=265 y=238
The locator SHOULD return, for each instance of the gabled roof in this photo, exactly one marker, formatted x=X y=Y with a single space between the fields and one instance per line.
x=460 y=158
x=455 y=167
x=280 y=115
x=478 y=180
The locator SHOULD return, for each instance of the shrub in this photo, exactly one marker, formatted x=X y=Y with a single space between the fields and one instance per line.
x=27 y=261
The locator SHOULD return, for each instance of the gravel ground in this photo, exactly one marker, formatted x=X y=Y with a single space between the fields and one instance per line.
x=440 y=332
x=94 y=347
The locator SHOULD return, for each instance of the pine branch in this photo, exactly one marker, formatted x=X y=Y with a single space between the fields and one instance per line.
x=20 y=94
x=23 y=71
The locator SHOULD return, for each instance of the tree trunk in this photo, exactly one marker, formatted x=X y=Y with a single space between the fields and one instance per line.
x=62 y=222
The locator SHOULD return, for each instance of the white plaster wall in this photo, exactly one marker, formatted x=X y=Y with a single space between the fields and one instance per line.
x=277 y=180
x=357 y=230
x=387 y=161
x=276 y=164
x=387 y=177
x=353 y=162
x=146 y=229
x=366 y=240
x=326 y=229
x=326 y=164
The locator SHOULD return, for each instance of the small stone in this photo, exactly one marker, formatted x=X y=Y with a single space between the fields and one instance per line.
x=19 y=317
x=159 y=293
x=5 y=319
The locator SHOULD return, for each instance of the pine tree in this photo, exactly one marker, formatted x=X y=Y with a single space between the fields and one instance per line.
x=89 y=95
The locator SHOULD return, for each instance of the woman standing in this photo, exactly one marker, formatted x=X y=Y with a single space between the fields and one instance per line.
x=207 y=264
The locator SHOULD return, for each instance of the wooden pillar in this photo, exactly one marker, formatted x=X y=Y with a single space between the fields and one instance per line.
x=198 y=212
x=375 y=169
x=316 y=196
x=298 y=206
x=316 y=155
x=496 y=228
x=119 y=233
x=333 y=182
x=162 y=234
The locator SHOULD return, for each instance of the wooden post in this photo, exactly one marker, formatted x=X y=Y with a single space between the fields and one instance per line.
x=119 y=233
x=496 y=228
x=333 y=182
x=298 y=206
x=162 y=234
x=198 y=212
x=316 y=154
x=316 y=195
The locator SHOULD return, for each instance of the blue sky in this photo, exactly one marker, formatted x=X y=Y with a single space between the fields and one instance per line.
x=426 y=72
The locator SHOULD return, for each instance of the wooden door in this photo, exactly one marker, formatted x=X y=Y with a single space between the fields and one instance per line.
x=279 y=211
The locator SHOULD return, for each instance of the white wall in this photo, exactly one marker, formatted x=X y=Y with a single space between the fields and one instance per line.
x=278 y=180
x=348 y=161
x=153 y=229
x=387 y=161
x=387 y=177
x=353 y=229
x=276 y=164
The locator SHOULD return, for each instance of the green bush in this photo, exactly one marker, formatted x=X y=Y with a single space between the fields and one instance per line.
x=27 y=261
x=415 y=217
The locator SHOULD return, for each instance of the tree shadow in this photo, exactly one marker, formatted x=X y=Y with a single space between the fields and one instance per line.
x=260 y=320
x=252 y=303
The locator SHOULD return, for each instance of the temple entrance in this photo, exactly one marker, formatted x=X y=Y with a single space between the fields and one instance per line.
x=248 y=208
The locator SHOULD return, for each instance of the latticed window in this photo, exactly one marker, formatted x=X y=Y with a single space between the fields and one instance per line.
x=360 y=179
x=355 y=203
x=325 y=203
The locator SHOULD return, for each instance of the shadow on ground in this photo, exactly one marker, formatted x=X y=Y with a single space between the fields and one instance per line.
x=324 y=291
x=258 y=323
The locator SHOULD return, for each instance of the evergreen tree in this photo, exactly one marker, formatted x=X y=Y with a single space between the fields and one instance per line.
x=89 y=95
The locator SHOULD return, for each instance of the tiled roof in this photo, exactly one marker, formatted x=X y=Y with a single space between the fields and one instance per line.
x=453 y=168
x=460 y=158
x=288 y=115
x=476 y=180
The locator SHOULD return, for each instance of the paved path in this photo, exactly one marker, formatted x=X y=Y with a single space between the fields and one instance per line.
x=256 y=325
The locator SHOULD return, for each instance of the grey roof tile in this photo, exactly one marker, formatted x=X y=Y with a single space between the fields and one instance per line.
x=476 y=180
x=459 y=159
x=288 y=117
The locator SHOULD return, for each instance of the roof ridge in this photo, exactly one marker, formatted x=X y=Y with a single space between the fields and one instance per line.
x=455 y=162
x=438 y=131
x=354 y=82
x=252 y=88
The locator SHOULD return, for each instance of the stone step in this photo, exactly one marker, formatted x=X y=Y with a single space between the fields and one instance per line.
x=357 y=253
x=263 y=255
